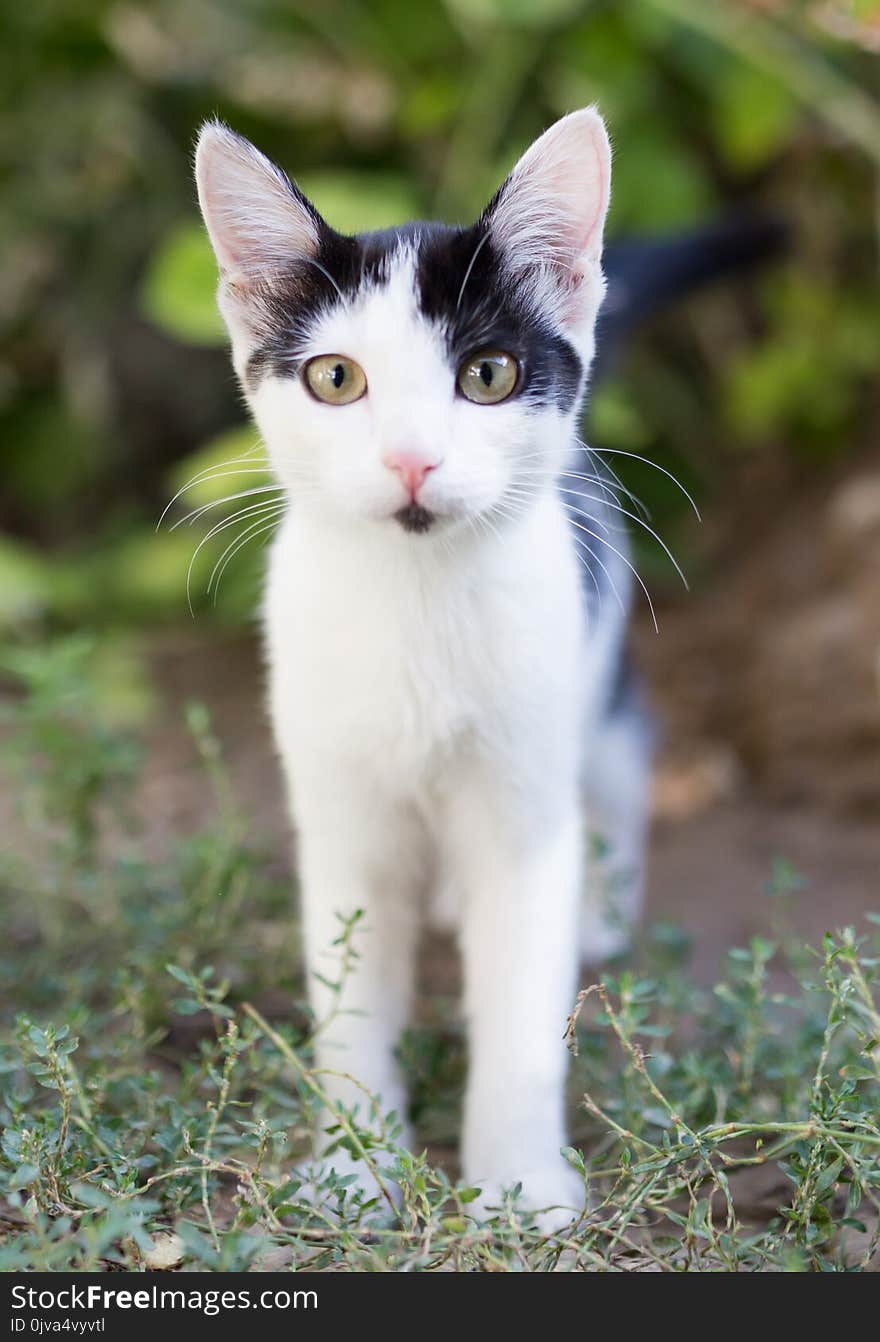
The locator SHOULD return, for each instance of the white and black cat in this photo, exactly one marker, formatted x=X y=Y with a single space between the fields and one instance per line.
x=446 y=686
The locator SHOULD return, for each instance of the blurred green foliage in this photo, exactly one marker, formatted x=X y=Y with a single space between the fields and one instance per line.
x=113 y=371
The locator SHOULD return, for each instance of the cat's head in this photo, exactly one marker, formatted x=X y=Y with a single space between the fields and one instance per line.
x=423 y=376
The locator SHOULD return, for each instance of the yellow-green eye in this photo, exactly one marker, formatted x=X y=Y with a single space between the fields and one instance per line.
x=489 y=376
x=335 y=379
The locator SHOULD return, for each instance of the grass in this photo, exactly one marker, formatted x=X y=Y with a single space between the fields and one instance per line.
x=156 y=1099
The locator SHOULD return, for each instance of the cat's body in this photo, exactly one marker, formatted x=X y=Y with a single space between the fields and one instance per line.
x=446 y=685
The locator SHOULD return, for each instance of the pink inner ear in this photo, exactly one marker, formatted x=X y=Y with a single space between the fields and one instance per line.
x=256 y=223
x=555 y=200
x=591 y=243
x=578 y=174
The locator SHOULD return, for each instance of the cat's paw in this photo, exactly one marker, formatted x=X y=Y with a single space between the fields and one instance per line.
x=551 y=1197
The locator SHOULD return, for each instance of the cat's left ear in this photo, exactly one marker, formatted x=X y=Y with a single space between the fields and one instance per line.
x=547 y=219
x=260 y=224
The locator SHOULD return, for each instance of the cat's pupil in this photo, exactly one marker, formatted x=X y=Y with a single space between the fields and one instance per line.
x=486 y=373
x=337 y=377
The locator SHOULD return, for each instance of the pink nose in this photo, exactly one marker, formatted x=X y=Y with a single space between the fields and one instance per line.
x=412 y=467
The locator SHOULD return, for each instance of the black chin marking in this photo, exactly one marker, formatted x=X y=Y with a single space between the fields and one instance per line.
x=415 y=518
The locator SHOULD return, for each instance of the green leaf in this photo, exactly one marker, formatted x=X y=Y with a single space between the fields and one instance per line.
x=469 y=1194
x=284 y=1192
x=26 y=582
x=24 y=1175
x=179 y=288
x=753 y=115
x=539 y=14
x=659 y=183
x=358 y=202
x=829 y=1176
x=38 y=1041
x=147 y=571
x=180 y=974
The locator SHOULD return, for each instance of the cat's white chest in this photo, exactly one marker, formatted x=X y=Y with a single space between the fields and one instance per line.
x=399 y=668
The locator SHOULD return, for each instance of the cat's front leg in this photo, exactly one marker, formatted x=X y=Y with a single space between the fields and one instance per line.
x=358 y=854
x=522 y=879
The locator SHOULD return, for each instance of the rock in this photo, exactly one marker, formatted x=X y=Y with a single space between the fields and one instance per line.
x=167 y=1253
x=853 y=516
x=687 y=785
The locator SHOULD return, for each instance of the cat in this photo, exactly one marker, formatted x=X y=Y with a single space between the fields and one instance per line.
x=445 y=620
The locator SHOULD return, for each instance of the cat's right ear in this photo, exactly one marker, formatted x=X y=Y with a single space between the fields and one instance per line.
x=547 y=219
x=259 y=223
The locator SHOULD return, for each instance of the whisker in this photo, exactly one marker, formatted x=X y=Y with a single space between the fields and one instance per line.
x=205 y=477
x=605 y=485
x=249 y=511
x=633 y=571
x=215 y=530
x=609 y=491
x=251 y=533
x=467 y=274
x=585 y=564
x=642 y=523
x=579 y=540
x=485 y=520
x=619 y=452
x=247 y=457
x=618 y=483
x=228 y=498
x=326 y=274
x=597 y=521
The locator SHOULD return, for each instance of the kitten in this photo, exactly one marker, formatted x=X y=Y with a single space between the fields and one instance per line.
x=446 y=687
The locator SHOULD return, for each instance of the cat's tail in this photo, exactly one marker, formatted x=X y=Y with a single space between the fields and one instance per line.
x=646 y=275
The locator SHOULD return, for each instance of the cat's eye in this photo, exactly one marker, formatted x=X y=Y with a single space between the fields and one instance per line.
x=334 y=379
x=489 y=376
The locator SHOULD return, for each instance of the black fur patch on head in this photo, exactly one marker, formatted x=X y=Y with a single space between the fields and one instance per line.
x=461 y=285
x=415 y=518
x=283 y=309
x=288 y=306
x=464 y=286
